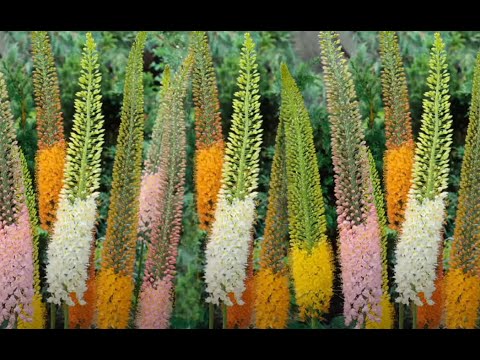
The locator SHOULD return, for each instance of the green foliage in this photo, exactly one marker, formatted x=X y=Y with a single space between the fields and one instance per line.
x=82 y=175
x=241 y=167
x=307 y=222
x=430 y=171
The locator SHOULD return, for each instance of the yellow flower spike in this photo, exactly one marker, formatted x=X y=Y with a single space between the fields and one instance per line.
x=39 y=315
x=313 y=274
x=388 y=314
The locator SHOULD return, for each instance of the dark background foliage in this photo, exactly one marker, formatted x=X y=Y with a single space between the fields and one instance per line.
x=300 y=51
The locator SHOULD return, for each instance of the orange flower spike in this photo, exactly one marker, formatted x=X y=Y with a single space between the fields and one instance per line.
x=398 y=180
x=115 y=281
x=272 y=301
x=398 y=129
x=114 y=294
x=50 y=166
x=208 y=128
x=51 y=141
x=208 y=173
x=273 y=313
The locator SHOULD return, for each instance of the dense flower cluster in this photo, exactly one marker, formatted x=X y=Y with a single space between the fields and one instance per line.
x=50 y=165
x=313 y=274
x=361 y=262
x=83 y=316
x=114 y=295
x=398 y=163
x=208 y=173
x=228 y=249
x=16 y=269
x=272 y=299
x=431 y=316
x=242 y=316
x=417 y=250
x=462 y=299
x=155 y=305
x=69 y=251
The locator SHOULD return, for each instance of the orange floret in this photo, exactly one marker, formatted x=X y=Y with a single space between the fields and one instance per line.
x=462 y=299
x=272 y=299
x=431 y=316
x=50 y=166
x=82 y=316
x=114 y=296
x=208 y=175
x=398 y=179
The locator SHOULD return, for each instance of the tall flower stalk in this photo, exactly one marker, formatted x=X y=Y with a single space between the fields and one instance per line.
x=115 y=279
x=462 y=282
x=73 y=233
x=228 y=247
x=400 y=146
x=50 y=159
x=388 y=310
x=209 y=142
x=162 y=205
x=151 y=194
x=16 y=237
x=417 y=252
x=311 y=252
x=359 y=228
x=272 y=301
x=39 y=310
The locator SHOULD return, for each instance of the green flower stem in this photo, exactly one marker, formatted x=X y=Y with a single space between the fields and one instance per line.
x=53 y=315
x=66 y=316
x=211 y=316
x=414 y=315
x=401 y=316
x=224 y=312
